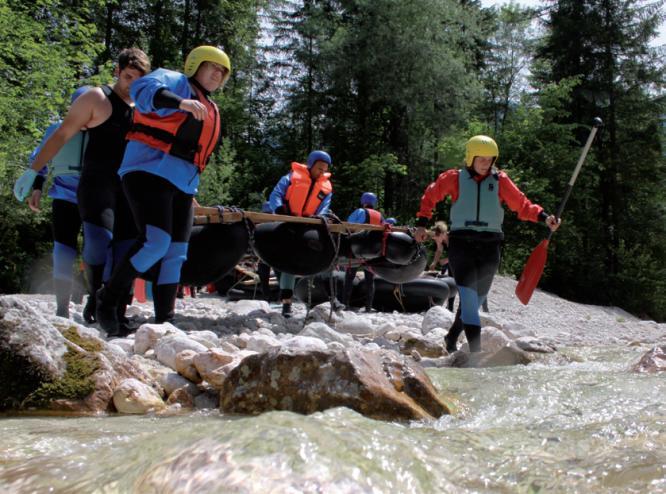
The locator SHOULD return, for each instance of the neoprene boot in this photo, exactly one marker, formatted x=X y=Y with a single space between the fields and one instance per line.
x=473 y=334
x=111 y=296
x=264 y=272
x=286 y=310
x=63 y=292
x=164 y=302
x=451 y=338
x=94 y=276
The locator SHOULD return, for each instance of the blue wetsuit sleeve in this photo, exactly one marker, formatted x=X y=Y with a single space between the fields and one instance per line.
x=358 y=216
x=276 y=198
x=143 y=90
x=325 y=205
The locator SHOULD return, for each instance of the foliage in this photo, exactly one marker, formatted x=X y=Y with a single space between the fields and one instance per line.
x=392 y=89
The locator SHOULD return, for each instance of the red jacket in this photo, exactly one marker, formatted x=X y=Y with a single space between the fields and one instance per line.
x=509 y=194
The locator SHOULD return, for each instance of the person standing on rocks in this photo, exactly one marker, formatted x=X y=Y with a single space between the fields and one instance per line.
x=66 y=169
x=107 y=223
x=174 y=132
x=305 y=191
x=477 y=192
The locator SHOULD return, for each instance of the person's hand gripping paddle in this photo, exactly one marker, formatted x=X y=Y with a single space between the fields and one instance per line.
x=535 y=264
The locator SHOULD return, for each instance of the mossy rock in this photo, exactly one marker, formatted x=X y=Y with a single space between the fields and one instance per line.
x=21 y=376
x=76 y=384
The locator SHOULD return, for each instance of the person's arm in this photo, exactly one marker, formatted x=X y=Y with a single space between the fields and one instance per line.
x=445 y=185
x=79 y=115
x=276 y=199
x=522 y=206
x=165 y=91
x=358 y=216
x=325 y=205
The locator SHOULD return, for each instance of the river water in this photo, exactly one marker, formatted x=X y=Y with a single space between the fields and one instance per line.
x=586 y=426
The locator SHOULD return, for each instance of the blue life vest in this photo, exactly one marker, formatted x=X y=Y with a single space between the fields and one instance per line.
x=69 y=159
x=478 y=207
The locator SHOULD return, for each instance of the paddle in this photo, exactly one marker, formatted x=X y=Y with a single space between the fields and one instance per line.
x=535 y=264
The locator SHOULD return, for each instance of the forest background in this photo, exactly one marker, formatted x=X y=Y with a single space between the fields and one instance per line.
x=392 y=89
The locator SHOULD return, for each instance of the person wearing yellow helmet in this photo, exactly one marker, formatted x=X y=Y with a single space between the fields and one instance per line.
x=477 y=192
x=175 y=130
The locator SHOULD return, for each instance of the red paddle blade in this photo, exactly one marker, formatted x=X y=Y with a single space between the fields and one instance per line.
x=532 y=272
x=140 y=290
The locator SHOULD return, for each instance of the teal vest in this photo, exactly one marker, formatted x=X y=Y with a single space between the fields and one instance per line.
x=478 y=206
x=69 y=159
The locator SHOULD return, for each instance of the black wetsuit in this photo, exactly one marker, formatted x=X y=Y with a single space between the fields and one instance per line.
x=108 y=225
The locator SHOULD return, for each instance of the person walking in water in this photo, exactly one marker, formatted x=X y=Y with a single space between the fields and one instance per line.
x=175 y=129
x=369 y=215
x=305 y=191
x=66 y=223
x=477 y=191
x=107 y=223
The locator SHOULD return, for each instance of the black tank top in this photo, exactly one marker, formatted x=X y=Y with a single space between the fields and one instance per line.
x=106 y=142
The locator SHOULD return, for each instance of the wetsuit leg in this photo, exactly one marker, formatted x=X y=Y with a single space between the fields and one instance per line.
x=474 y=264
x=264 y=272
x=96 y=197
x=369 y=289
x=163 y=215
x=350 y=275
x=66 y=227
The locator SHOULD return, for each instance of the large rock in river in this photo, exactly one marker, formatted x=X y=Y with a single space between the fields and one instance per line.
x=379 y=384
x=47 y=362
x=653 y=361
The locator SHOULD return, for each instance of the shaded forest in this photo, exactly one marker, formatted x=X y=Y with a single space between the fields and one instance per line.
x=392 y=90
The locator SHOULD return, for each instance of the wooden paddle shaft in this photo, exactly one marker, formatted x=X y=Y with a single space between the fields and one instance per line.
x=207 y=215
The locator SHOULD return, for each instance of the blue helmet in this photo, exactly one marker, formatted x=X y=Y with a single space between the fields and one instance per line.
x=78 y=93
x=266 y=207
x=369 y=199
x=315 y=156
x=391 y=221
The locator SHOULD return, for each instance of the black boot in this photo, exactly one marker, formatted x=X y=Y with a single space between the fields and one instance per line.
x=63 y=292
x=473 y=334
x=123 y=321
x=451 y=338
x=286 y=310
x=112 y=295
x=94 y=277
x=164 y=302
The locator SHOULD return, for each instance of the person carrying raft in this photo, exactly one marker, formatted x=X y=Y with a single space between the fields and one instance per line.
x=477 y=192
x=66 y=169
x=366 y=214
x=305 y=191
x=175 y=129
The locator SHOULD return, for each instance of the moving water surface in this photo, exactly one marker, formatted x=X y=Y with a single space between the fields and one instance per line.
x=588 y=426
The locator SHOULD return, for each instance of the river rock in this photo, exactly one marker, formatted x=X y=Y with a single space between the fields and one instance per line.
x=261 y=342
x=379 y=384
x=353 y=324
x=325 y=333
x=535 y=345
x=437 y=317
x=182 y=397
x=58 y=364
x=205 y=337
x=169 y=346
x=133 y=396
x=185 y=366
x=215 y=364
x=653 y=361
x=425 y=347
x=149 y=334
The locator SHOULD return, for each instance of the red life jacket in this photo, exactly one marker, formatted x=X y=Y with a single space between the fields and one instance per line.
x=180 y=134
x=303 y=196
x=374 y=216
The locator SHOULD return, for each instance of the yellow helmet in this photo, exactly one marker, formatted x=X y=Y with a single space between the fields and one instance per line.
x=480 y=146
x=206 y=54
